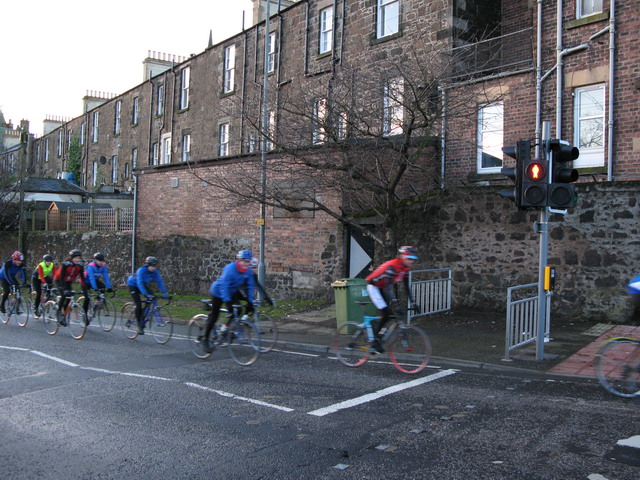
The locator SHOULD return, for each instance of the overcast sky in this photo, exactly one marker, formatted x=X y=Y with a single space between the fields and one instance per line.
x=53 y=52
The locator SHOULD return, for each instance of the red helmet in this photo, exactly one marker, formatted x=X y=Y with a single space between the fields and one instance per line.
x=17 y=256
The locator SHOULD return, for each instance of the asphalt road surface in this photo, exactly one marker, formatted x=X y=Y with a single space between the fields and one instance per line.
x=106 y=407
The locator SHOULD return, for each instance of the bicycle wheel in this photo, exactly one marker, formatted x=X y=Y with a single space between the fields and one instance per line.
x=267 y=327
x=195 y=333
x=9 y=308
x=351 y=345
x=409 y=349
x=618 y=367
x=76 y=321
x=244 y=342
x=128 y=320
x=161 y=325
x=106 y=314
x=49 y=317
x=23 y=310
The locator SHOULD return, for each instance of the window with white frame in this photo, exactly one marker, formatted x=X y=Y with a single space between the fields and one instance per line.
x=96 y=118
x=160 y=100
x=589 y=125
x=185 y=76
x=134 y=157
x=95 y=173
x=69 y=133
x=135 y=111
x=585 y=8
x=326 y=30
x=271 y=131
x=490 y=137
x=114 y=169
x=223 y=149
x=271 y=48
x=388 y=17
x=392 y=122
x=155 y=154
x=186 y=147
x=166 y=149
x=252 y=142
x=127 y=171
x=60 y=143
x=229 y=69
x=46 y=149
x=83 y=128
x=117 y=116
x=319 y=121
x=343 y=126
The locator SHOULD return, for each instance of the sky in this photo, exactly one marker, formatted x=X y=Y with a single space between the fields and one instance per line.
x=54 y=52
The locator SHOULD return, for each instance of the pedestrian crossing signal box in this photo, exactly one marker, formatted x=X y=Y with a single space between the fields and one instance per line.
x=549 y=278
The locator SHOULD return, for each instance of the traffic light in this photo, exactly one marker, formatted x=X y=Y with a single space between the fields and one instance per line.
x=513 y=193
x=529 y=175
x=561 y=194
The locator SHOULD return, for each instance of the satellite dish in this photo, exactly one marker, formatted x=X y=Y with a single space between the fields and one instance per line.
x=103 y=159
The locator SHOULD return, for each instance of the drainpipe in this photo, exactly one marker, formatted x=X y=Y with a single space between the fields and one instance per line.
x=135 y=216
x=612 y=54
x=443 y=135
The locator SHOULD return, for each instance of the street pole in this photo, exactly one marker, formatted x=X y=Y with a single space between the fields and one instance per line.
x=263 y=153
x=24 y=140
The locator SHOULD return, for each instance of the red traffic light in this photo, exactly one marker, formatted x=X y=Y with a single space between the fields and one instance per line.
x=535 y=172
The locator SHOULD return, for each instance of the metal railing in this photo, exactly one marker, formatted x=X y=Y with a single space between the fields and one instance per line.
x=91 y=219
x=522 y=318
x=432 y=294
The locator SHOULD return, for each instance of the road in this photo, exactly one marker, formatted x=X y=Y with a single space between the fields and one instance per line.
x=107 y=407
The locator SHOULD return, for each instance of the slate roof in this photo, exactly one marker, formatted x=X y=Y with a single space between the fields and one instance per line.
x=52 y=185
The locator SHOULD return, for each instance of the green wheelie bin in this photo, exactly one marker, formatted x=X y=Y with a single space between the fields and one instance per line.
x=348 y=291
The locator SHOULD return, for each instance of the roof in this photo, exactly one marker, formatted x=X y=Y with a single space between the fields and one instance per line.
x=78 y=206
x=52 y=185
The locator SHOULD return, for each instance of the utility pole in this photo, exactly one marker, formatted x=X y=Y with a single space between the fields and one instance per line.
x=24 y=140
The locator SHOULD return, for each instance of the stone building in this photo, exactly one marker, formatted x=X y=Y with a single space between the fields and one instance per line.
x=434 y=88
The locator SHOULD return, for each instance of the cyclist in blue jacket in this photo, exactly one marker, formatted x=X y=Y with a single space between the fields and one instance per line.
x=634 y=291
x=139 y=285
x=9 y=273
x=96 y=276
x=229 y=288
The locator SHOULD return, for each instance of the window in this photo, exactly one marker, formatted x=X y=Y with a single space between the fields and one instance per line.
x=154 y=154
x=185 y=74
x=223 y=151
x=127 y=172
x=271 y=131
x=186 y=147
x=83 y=128
x=60 y=143
x=116 y=119
x=490 y=137
x=46 y=149
x=96 y=117
x=319 y=121
x=95 y=173
x=69 y=133
x=229 y=68
x=343 y=126
x=388 y=17
x=166 y=148
x=160 y=100
x=114 y=169
x=588 y=7
x=134 y=158
x=392 y=107
x=135 y=111
x=589 y=124
x=271 y=47
x=326 y=30
x=252 y=142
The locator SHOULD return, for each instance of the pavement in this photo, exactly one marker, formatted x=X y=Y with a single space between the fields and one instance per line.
x=476 y=340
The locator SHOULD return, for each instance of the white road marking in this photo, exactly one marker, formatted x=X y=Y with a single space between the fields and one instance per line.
x=16 y=348
x=55 y=359
x=630 y=442
x=379 y=394
x=237 y=397
x=128 y=374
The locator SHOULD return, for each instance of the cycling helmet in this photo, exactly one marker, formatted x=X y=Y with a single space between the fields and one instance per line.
x=151 y=261
x=17 y=256
x=47 y=258
x=98 y=256
x=254 y=262
x=409 y=252
x=244 y=255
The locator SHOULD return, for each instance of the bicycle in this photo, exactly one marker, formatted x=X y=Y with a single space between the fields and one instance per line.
x=103 y=309
x=17 y=305
x=47 y=294
x=155 y=316
x=73 y=315
x=240 y=336
x=352 y=343
x=618 y=366
x=267 y=328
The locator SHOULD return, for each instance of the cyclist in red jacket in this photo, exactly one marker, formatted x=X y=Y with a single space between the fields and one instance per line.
x=381 y=292
x=70 y=270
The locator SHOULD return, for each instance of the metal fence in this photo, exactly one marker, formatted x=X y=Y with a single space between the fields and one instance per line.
x=431 y=289
x=91 y=219
x=522 y=318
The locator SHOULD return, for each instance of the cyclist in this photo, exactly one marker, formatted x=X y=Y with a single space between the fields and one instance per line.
x=9 y=273
x=139 y=285
x=634 y=291
x=381 y=291
x=263 y=291
x=41 y=275
x=235 y=281
x=70 y=270
x=96 y=276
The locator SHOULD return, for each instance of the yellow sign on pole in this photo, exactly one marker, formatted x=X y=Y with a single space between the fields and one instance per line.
x=260 y=222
